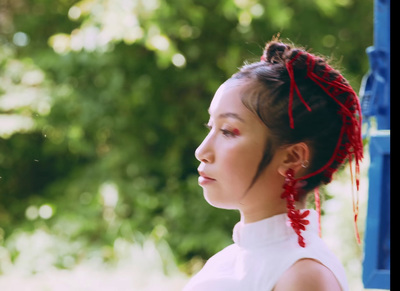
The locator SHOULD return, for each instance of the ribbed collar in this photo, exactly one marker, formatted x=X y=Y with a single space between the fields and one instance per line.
x=269 y=230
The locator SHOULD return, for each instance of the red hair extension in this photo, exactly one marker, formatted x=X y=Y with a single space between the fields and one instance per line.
x=293 y=86
x=297 y=219
x=318 y=208
x=349 y=143
x=355 y=205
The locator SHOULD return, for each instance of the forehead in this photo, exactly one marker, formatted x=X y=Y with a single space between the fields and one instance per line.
x=228 y=99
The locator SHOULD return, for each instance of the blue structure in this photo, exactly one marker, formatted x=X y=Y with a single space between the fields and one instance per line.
x=375 y=94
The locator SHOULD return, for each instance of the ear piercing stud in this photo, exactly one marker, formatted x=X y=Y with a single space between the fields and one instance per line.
x=305 y=164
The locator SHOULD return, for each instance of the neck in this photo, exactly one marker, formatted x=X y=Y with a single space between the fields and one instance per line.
x=254 y=217
x=260 y=212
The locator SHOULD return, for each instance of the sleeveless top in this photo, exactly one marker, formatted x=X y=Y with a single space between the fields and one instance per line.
x=261 y=253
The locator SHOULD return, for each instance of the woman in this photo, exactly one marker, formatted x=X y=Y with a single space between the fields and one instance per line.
x=279 y=128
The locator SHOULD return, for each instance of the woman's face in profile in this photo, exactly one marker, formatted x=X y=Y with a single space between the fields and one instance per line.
x=231 y=152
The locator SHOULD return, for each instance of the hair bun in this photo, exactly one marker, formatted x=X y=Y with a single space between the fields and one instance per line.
x=276 y=52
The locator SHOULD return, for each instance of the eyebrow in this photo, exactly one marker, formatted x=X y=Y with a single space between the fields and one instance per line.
x=231 y=115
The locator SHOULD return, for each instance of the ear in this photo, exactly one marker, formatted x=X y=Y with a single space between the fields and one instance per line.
x=294 y=156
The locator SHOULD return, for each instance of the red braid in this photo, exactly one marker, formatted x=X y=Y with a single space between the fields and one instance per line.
x=349 y=144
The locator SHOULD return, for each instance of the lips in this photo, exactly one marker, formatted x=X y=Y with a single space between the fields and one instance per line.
x=205 y=176
x=205 y=179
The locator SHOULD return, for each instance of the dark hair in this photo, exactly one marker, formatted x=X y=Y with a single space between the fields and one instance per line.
x=287 y=94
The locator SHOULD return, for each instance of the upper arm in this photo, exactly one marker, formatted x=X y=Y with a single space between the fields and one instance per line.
x=307 y=275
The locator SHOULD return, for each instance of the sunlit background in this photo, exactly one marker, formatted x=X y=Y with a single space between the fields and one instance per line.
x=102 y=104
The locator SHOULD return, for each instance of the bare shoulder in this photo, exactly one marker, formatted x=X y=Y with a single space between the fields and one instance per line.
x=308 y=274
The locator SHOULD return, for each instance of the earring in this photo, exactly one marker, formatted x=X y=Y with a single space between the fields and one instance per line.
x=296 y=219
x=305 y=164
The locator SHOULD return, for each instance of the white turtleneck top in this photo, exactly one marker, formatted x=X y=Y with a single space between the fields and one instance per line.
x=261 y=253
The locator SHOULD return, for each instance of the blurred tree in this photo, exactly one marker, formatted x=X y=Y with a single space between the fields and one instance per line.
x=102 y=105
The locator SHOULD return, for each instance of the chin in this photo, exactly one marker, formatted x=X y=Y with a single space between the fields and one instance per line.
x=218 y=202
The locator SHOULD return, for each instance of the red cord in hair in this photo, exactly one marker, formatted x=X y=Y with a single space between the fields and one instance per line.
x=318 y=208
x=293 y=86
x=350 y=110
x=297 y=218
x=355 y=199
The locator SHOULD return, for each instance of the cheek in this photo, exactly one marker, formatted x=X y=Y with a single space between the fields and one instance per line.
x=237 y=167
x=240 y=165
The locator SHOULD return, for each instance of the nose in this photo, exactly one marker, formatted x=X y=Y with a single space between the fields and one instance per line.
x=205 y=153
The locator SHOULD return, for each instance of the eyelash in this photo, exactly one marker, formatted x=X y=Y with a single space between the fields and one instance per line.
x=225 y=132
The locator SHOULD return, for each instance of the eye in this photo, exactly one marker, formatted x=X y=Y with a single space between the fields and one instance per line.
x=225 y=132
x=230 y=133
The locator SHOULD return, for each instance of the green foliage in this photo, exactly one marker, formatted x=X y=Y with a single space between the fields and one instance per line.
x=110 y=98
